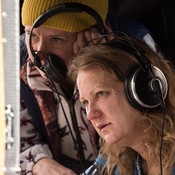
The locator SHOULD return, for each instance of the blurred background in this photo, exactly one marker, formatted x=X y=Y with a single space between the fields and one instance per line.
x=157 y=15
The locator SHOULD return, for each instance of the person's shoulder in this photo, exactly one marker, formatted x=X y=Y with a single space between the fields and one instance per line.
x=173 y=172
x=129 y=26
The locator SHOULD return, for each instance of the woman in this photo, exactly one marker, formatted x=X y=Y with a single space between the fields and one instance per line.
x=47 y=146
x=130 y=132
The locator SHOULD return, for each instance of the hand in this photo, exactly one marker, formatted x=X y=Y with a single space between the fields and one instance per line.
x=84 y=38
x=47 y=166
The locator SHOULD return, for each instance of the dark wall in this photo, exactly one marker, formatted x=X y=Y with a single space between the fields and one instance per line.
x=21 y=26
x=157 y=15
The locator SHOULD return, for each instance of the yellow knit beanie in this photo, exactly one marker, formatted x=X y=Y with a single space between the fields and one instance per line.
x=70 y=22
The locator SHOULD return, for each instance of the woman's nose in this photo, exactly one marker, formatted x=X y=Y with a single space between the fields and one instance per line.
x=92 y=113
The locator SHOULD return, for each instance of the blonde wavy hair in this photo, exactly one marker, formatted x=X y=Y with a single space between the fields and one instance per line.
x=102 y=56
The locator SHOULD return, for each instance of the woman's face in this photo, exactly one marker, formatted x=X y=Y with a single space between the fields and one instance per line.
x=113 y=117
x=52 y=41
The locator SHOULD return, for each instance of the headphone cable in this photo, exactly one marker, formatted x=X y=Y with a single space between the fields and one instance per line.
x=74 y=141
x=162 y=103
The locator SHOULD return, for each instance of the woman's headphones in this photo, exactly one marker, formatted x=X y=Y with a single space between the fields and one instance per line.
x=54 y=67
x=144 y=82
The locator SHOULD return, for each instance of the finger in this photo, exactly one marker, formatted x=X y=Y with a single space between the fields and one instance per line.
x=81 y=40
x=92 y=35
x=108 y=28
x=88 y=37
x=110 y=37
x=95 y=32
x=103 y=38
x=76 y=48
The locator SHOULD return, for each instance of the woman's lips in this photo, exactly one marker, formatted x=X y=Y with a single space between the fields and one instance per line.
x=102 y=126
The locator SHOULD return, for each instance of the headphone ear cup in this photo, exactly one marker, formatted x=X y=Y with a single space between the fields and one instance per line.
x=55 y=68
x=139 y=90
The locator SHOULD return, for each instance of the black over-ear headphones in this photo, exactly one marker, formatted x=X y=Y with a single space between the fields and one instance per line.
x=54 y=67
x=144 y=81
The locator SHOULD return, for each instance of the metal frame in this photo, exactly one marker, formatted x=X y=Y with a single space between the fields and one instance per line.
x=10 y=32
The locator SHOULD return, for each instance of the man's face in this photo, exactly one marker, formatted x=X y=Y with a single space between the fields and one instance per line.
x=52 y=41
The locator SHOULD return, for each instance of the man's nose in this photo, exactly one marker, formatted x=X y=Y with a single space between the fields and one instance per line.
x=41 y=46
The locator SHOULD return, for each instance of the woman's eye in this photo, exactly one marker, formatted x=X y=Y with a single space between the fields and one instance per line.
x=85 y=102
x=101 y=93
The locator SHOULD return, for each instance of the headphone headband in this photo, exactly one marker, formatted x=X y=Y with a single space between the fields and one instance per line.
x=129 y=46
x=144 y=82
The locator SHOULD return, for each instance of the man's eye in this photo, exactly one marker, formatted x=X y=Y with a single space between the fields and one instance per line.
x=33 y=35
x=56 y=40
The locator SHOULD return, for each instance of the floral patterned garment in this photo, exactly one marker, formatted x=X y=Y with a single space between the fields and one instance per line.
x=32 y=146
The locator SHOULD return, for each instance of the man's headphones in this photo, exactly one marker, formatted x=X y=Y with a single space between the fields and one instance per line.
x=54 y=67
x=144 y=82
